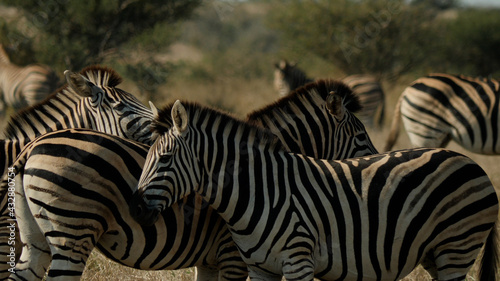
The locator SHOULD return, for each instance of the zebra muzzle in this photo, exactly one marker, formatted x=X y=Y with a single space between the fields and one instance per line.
x=141 y=212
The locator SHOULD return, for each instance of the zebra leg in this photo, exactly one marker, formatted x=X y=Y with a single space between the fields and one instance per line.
x=35 y=257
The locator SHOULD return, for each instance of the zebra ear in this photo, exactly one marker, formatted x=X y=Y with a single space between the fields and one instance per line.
x=153 y=109
x=79 y=84
x=179 y=117
x=335 y=106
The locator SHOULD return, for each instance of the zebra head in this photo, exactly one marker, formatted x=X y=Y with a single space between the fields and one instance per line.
x=170 y=172
x=355 y=141
x=107 y=108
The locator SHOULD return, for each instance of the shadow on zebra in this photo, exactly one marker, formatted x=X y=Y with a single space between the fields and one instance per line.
x=369 y=218
x=90 y=100
x=76 y=169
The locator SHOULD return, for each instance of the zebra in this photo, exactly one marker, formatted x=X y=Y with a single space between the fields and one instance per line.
x=375 y=217
x=90 y=100
x=305 y=122
x=89 y=195
x=229 y=264
x=288 y=77
x=372 y=98
x=24 y=86
x=438 y=108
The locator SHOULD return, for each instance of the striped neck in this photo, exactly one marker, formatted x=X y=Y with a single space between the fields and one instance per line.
x=59 y=111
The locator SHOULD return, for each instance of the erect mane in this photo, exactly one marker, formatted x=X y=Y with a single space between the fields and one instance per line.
x=99 y=75
x=321 y=88
x=198 y=113
x=102 y=75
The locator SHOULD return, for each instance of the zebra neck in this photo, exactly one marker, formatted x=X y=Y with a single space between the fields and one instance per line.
x=236 y=180
x=56 y=113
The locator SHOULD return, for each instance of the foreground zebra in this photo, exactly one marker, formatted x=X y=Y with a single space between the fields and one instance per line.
x=89 y=177
x=90 y=100
x=375 y=217
x=288 y=77
x=209 y=247
x=24 y=86
x=440 y=107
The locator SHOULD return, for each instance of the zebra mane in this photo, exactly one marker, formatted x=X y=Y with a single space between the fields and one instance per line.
x=99 y=75
x=319 y=87
x=102 y=75
x=198 y=113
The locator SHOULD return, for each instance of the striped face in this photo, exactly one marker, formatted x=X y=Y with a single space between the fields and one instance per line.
x=109 y=109
x=119 y=113
x=170 y=173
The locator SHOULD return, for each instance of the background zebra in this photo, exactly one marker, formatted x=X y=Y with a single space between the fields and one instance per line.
x=440 y=107
x=90 y=100
x=374 y=217
x=371 y=96
x=288 y=77
x=80 y=157
x=24 y=86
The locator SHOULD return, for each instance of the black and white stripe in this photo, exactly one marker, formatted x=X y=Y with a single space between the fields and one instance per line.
x=371 y=96
x=288 y=77
x=74 y=198
x=90 y=100
x=440 y=107
x=306 y=121
x=335 y=101
x=24 y=86
x=375 y=217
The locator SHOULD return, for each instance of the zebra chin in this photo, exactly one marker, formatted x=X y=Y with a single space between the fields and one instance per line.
x=141 y=212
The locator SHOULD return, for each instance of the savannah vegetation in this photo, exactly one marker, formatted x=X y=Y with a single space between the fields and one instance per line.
x=221 y=53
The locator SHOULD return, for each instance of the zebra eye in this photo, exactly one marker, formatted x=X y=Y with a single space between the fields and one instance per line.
x=164 y=158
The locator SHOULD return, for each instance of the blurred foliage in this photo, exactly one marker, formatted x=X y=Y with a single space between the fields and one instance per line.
x=390 y=37
x=234 y=38
x=472 y=43
x=378 y=37
x=74 y=34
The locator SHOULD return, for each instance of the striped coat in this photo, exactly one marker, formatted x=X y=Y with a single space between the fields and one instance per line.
x=438 y=108
x=369 y=218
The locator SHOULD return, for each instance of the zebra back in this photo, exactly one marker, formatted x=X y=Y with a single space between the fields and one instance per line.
x=101 y=171
x=304 y=123
x=378 y=215
x=440 y=107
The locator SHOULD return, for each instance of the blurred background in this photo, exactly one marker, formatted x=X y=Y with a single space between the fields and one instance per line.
x=222 y=53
